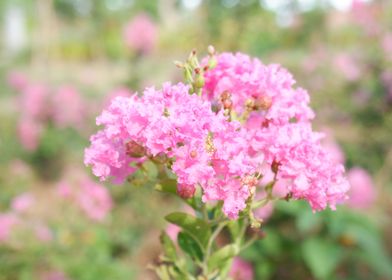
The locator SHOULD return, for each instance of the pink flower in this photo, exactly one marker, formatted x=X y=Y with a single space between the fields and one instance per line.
x=301 y=161
x=92 y=198
x=333 y=149
x=141 y=34
x=43 y=233
x=387 y=45
x=22 y=202
x=363 y=193
x=269 y=128
x=95 y=200
x=63 y=189
x=347 y=66
x=33 y=101
x=241 y=270
x=7 y=221
x=248 y=83
x=68 y=109
x=173 y=230
x=173 y=123
x=54 y=275
x=17 y=80
x=29 y=133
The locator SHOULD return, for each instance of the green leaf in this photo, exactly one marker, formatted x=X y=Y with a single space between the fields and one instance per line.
x=168 y=246
x=198 y=228
x=167 y=185
x=373 y=251
x=321 y=256
x=308 y=221
x=224 y=254
x=189 y=245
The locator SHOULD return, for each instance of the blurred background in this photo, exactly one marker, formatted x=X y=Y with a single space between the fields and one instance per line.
x=61 y=61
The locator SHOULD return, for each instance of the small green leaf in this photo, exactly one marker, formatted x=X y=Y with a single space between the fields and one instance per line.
x=224 y=254
x=167 y=185
x=168 y=246
x=198 y=228
x=321 y=256
x=189 y=245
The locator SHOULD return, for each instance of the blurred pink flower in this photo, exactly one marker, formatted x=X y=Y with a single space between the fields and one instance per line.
x=43 y=233
x=54 y=275
x=7 y=221
x=68 y=108
x=29 y=133
x=94 y=199
x=387 y=80
x=332 y=147
x=387 y=45
x=347 y=66
x=141 y=33
x=365 y=15
x=18 y=81
x=22 y=202
x=172 y=231
x=33 y=101
x=19 y=168
x=362 y=194
x=241 y=270
x=63 y=189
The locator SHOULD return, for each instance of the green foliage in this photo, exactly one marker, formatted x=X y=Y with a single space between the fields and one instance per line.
x=195 y=227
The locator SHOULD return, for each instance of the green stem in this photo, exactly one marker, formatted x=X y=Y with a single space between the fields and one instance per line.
x=214 y=235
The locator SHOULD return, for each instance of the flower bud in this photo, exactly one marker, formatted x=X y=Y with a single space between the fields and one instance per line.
x=263 y=102
x=275 y=166
x=227 y=104
x=265 y=123
x=186 y=191
x=193 y=154
x=211 y=50
x=135 y=150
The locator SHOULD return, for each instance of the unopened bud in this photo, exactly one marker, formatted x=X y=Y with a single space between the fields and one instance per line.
x=186 y=191
x=265 y=123
x=161 y=158
x=225 y=95
x=227 y=104
x=263 y=102
x=211 y=50
x=193 y=154
x=134 y=149
x=275 y=166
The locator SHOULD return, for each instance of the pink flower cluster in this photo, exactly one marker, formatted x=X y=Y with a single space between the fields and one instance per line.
x=269 y=126
x=169 y=123
x=241 y=270
x=18 y=219
x=278 y=126
x=92 y=198
x=39 y=103
x=363 y=192
x=141 y=34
